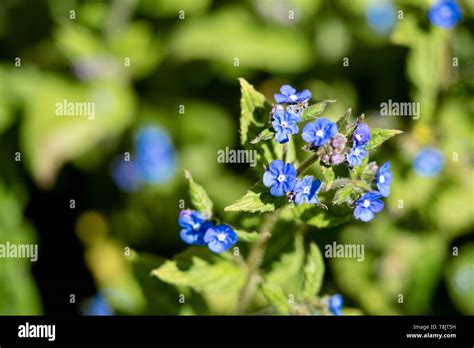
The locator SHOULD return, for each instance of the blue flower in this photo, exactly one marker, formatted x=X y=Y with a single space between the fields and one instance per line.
x=319 y=132
x=357 y=154
x=193 y=226
x=367 y=205
x=289 y=95
x=381 y=17
x=306 y=190
x=445 y=14
x=335 y=304
x=383 y=178
x=280 y=177
x=126 y=175
x=155 y=154
x=361 y=135
x=98 y=306
x=284 y=124
x=220 y=238
x=428 y=162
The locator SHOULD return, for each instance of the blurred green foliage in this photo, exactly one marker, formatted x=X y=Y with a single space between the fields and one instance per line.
x=193 y=61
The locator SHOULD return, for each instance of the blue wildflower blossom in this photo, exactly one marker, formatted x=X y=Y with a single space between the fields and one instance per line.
x=126 y=175
x=289 y=95
x=193 y=226
x=98 y=306
x=367 y=205
x=220 y=238
x=383 y=178
x=428 y=162
x=361 y=135
x=335 y=304
x=306 y=190
x=280 y=177
x=284 y=123
x=357 y=154
x=155 y=154
x=381 y=16
x=319 y=132
x=445 y=14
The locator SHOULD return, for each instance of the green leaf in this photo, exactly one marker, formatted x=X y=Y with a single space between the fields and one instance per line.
x=257 y=200
x=329 y=176
x=266 y=134
x=231 y=31
x=199 y=197
x=343 y=194
x=314 y=110
x=343 y=122
x=357 y=172
x=286 y=272
x=248 y=237
x=378 y=136
x=251 y=102
x=314 y=272
x=217 y=277
x=315 y=216
x=276 y=297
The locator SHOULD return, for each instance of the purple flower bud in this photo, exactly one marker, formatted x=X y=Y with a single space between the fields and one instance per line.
x=337 y=158
x=338 y=142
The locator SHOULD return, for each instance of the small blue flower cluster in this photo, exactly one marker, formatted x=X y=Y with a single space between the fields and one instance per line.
x=335 y=303
x=287 y=113
x=196 y=230
x=281 y=178
x=155 y=161
x=428 y=161
x=445 y=14
x=370 y=203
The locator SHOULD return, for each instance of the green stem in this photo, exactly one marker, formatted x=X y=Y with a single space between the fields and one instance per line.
x=254 y=261
x=307 y=163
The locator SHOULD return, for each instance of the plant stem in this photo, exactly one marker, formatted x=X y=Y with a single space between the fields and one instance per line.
x=306 y=163
x=255 y=260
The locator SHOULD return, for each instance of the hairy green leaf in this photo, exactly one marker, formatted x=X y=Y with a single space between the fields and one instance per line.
x=378 y=136
x=343 y=122
x=252 y=105
x=276 y=297
x=248 y=237
x=217 y=277
x=199 y=196
x=286 y=272
x=266 y=134
x=328 y=174
x=315 y=110
x=343 y=194
x=257 y=200
x=314 y=272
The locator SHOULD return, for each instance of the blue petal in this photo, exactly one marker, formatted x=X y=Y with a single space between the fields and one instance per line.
x=281 y=137
x=277 y=166
x=188 y=236
x=299 y=198
x=277 y=190
x=364 y=214
x=280 y=98
x=268 y=179
x=287 y=90
x=216 y=246
x=376 y=206
x=384 y=189
x=309 y=132
x=304 y=95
